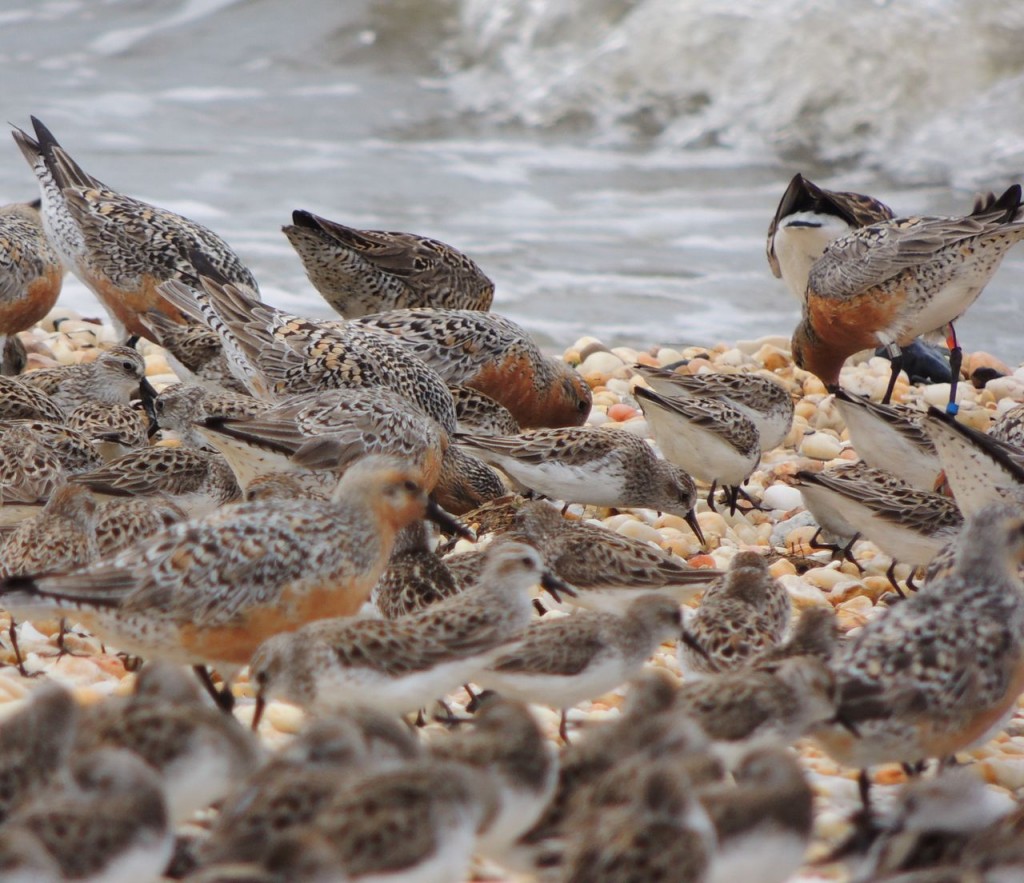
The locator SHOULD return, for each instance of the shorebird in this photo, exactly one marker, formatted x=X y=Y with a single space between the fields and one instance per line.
x=763 y=821
x=73 y=449
x=934 y=823
x=199 y=753
x=30 y=471
x=886 y=283
x=180 y=407
x=560 y=662
x=60 y=537
x=31 y=273
x=741 y=617
x=121 y=523
x=121 y=248
x=415 y=577
x=114 y=428
x=211 y=590
x=910 y=525
x=979 y=469
x=116 y=376
x=507 y=744
x=35 y=743
x=662 y=835
x=763 y=400
x=108 y=822
x=710 y=439
x=1009 y=427
x=599 y=467
x=400 y=665
x=477 y=412
x=807 y=219
x=22 y=401
x=327 y=430
x=368 y=271
x=197 y=481
x=495 y=356
x=608 y=570
x=939 y=671
x=286 y=793
x=275 y=354
x=743 y=710
x=891 y=438
x=417 y=823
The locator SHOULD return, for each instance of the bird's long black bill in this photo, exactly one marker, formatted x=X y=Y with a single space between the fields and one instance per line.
x=691 y=519
x=556 y=586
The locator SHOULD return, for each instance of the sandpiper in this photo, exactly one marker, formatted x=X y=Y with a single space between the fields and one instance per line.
x=478 y=412
x=114 y=428
x=403 y=664
x=979 y=469
x=327 y=430
x=288 y=791
x=31 y=271
x=910 y=525
x=416 y=576
x=211 y=590
x=121 y=248
x=274 y=353
x=892 y=438
x=35 y=743
x=885 y=284
x=199 y=753
x=562 y=661
x=941 y=670
x=662 y=835
x=608 y=570
x=368 y=271
x=108 y=822
x=506 y=743
x=600 y=467
x=116 y=376
x=710 y=439
x=197 y=481
x=740 y=618
x=765 y=401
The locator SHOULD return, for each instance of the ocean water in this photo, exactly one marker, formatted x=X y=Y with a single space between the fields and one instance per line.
x=612 y=164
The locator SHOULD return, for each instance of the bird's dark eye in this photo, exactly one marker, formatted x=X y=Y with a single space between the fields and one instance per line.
x=128 y=366
x=583 y=406
x=411 y=485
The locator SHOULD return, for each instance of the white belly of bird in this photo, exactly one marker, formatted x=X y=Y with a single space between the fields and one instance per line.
x=520 y=809
x=195 y=781
x=142 y=862
x=703 y=453
x=563 y=481
x=558 y=691
x=338 y=689
x=769 y=856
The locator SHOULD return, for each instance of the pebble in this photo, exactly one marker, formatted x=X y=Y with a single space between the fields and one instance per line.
x=783 y=497
x=820 y=446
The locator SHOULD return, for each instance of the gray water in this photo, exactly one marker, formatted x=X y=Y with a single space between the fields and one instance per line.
x=613 y=165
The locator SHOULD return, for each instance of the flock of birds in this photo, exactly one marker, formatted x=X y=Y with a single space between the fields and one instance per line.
x=311 y=455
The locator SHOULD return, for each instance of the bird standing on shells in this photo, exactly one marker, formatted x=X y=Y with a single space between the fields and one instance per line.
x=359 y=272
x=741 y=617
x=211 y=590
x=941 y=670
x=400 y=665
x=121 y=248
x=31 y=276
x=562 y=661
x=887 y=283
x=599 y=467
